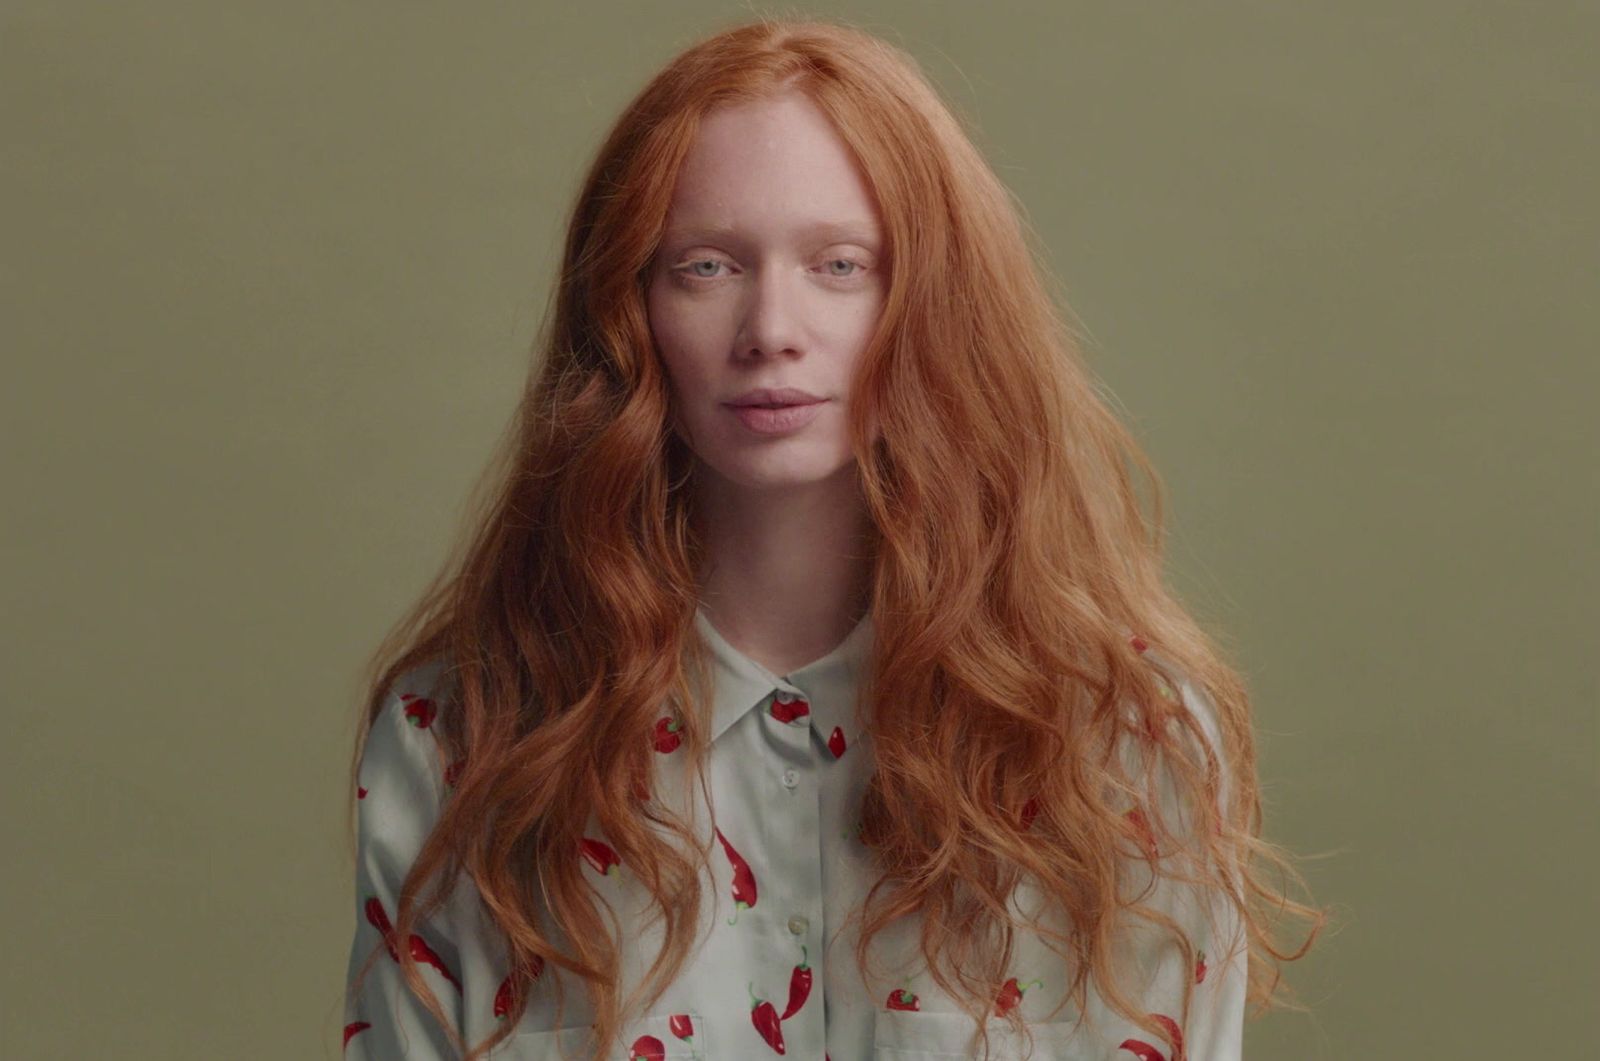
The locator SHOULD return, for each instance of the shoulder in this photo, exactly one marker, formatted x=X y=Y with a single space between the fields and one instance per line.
x=1193 y=723
x=401 y=763
x=1186 y=695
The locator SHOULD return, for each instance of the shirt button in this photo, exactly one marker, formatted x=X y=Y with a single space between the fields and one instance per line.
x=798 y=925
x=790 y=778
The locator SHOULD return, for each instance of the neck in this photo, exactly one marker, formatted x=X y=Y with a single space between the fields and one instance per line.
x=788 y=572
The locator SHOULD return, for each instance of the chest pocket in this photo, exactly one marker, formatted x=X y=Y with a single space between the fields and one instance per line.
x=920 y=1035
x=677 y=1036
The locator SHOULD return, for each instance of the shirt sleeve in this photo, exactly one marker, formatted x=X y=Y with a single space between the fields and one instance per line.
x=1214 y=1030
x=399 y=795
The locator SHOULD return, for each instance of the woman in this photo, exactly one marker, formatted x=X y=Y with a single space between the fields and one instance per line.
x=860 y=725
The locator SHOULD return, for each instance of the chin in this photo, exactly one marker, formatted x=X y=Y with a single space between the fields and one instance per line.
x=756 y=479
x=780 y=475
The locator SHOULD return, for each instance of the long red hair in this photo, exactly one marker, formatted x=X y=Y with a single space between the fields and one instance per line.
x=1016 y=579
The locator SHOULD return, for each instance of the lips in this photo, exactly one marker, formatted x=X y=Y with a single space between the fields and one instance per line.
x=782 y=420
x=773 y=398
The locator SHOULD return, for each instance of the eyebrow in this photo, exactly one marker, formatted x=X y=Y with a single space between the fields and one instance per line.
x=846 y=231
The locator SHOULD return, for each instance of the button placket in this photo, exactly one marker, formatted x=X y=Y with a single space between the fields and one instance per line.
x=796 y=865
x=788 y=712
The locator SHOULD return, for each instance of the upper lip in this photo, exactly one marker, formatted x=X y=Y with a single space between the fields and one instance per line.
x=774 y=396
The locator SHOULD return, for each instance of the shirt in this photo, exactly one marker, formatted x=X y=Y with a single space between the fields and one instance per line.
x=775 y=974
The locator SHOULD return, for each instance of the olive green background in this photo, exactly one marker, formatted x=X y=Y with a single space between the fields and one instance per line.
x=271 y=272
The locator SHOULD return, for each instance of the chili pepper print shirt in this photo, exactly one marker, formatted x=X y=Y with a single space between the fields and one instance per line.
x=773 y=973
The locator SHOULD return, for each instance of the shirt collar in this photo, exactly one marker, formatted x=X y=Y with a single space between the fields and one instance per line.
x=828 y=685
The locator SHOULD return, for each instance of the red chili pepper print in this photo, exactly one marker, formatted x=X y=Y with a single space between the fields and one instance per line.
x=379 y=919
x=682 y=1026
x=420 y=951
x=764 y=1015
x=647 y=1048
x=420 y=711
x=361 y=793
x=352 y=1028
x=836 y=743
x=744 y=882
x=599 y=854
x=668 y=734
x=509 y=988
x=1174 y=1032
x=504 y=996
x=1200 y=968
x=799 y=986
x=1010 y=994
x=1145 y=1052
x=789 y=708
x=900 y=998
x=1139 y=644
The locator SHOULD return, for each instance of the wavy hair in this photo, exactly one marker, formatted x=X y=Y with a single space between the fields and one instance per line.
x=1016 y=581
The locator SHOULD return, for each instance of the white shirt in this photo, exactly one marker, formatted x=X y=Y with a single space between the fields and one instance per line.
x=773 y=973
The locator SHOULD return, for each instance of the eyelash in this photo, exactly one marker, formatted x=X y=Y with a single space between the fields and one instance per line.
x=683 y=273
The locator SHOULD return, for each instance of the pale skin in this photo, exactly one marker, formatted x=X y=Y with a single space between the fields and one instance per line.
x=750 y=289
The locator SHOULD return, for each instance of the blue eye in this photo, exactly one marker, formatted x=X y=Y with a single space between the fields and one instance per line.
x=703 y=261
x=692 y=274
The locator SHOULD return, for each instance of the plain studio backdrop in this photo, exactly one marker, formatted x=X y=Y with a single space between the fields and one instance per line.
x=271 y=273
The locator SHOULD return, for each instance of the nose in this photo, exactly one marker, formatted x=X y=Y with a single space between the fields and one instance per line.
x=773 y=315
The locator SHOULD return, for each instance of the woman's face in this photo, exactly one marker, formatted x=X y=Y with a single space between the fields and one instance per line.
x=768 y=275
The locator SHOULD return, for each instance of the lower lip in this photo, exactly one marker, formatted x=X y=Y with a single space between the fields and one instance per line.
x=776 y=421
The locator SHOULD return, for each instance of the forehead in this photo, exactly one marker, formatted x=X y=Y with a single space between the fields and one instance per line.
x=775 y=166
x=816 y=230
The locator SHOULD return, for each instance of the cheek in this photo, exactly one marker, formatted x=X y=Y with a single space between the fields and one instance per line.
x=680 y=330
x=682 y=367
x=676 y=347
x=692 y=358
x=667 y=330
